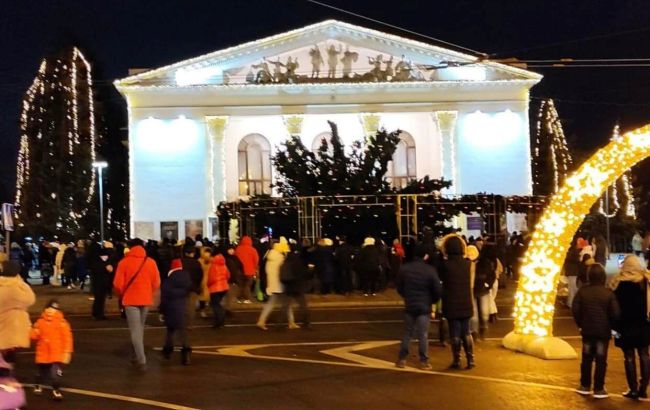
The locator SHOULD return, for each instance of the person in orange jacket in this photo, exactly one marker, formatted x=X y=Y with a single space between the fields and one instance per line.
x=250 y=260
x=53 y=347
x=136 y=281
x=218 y=278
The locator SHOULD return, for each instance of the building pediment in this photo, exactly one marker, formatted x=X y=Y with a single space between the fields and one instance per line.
x=328 y=52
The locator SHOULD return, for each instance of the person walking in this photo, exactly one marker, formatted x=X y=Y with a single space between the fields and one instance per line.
x=174 y=294
x=274 y=259
x=54 y=347
x=595 y=311
x=193 y=267
x=204 y=298
x=218 y=278
x=418 y=283
x=250 y=260
x=100 y=278
x=367 y=265
x=631 y=288
x=601 y=253
x=294 y=275
x=16 y=297
x=484 y=278
x=457 y=298
x=136 y=280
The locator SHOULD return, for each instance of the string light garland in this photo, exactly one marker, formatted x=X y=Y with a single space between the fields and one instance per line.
x=550 y=143
x=535 y=298
x=627 y=195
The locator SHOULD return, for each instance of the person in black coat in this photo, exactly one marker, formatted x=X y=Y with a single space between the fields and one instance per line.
x=294 y=276
x=631 y=289
x=174 y=295
x=344 y=256
x=69 y=263
x=100 y=278
x=457 y=296
x=367 y=264
x=486 y=274
x=324 y=262
x=595 y=310
x=419 y=285
x=193 y=267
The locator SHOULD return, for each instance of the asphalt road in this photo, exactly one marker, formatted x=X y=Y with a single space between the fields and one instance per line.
x=346 y=362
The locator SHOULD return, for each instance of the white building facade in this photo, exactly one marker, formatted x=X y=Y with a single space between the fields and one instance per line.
x=203 y=130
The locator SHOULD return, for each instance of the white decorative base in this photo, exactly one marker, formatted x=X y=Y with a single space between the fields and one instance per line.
x=544 y=347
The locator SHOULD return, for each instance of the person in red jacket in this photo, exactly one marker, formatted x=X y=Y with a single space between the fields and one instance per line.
x=136 y=281
x=53 y=347
x=218 y=277
x=250 y=259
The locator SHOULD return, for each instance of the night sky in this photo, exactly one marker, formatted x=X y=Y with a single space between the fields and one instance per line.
x=117 y=35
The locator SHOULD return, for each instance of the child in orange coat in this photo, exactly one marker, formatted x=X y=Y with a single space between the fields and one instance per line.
x=53 y=347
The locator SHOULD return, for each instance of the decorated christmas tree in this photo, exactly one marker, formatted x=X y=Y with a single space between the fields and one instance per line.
x=551 y=157
x=55 y=180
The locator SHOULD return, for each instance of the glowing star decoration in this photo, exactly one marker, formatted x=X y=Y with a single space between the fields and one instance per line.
x=540 y=271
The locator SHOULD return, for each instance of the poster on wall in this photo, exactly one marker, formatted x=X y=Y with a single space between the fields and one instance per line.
x=474 y=223
x=143 y=230
x=193 y=227
x=169 y=230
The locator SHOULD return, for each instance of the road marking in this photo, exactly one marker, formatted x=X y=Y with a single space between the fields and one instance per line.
x=328 y=323
x=359 y=361
x=119 y=397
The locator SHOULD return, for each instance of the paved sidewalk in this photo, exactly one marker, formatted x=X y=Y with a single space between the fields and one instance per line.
x=75 y=301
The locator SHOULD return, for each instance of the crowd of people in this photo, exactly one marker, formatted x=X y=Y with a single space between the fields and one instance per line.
x=452 y=278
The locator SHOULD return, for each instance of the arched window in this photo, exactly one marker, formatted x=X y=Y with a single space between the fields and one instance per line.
x=318 y=140
x=254 y=161
x=402 y=167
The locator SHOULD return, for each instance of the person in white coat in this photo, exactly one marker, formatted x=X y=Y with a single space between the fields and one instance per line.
x=15 y=297
x=274 y=287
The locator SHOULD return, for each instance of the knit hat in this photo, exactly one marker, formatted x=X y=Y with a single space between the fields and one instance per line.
x=108 y=245
x=9 y=268
x=369 y=241
x=53 y=304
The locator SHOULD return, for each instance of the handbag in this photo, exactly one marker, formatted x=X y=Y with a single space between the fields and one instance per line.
x=12 y=395
x=128 y=285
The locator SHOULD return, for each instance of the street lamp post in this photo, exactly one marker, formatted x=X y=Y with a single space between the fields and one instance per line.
x=100 y=165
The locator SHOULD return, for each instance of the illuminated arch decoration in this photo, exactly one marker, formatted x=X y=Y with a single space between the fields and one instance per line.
x=540 y=271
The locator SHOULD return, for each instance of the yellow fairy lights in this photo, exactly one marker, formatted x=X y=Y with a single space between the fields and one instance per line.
x=535 y=298
x=72 y=75
x=628 y=196
x=549 y=121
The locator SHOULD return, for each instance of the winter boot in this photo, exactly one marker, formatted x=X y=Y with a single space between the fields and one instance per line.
x=455 y=351
x=186 y=352
x=468 y=346
x=630 y=375
x=645 y=377
x=167 y=352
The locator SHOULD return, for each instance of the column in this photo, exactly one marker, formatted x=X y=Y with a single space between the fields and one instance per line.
x=217 y=163
x=370 y=123
x=446 y=123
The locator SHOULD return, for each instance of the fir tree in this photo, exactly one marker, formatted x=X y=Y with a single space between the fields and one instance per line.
x=330 y=171
x=55 y=179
